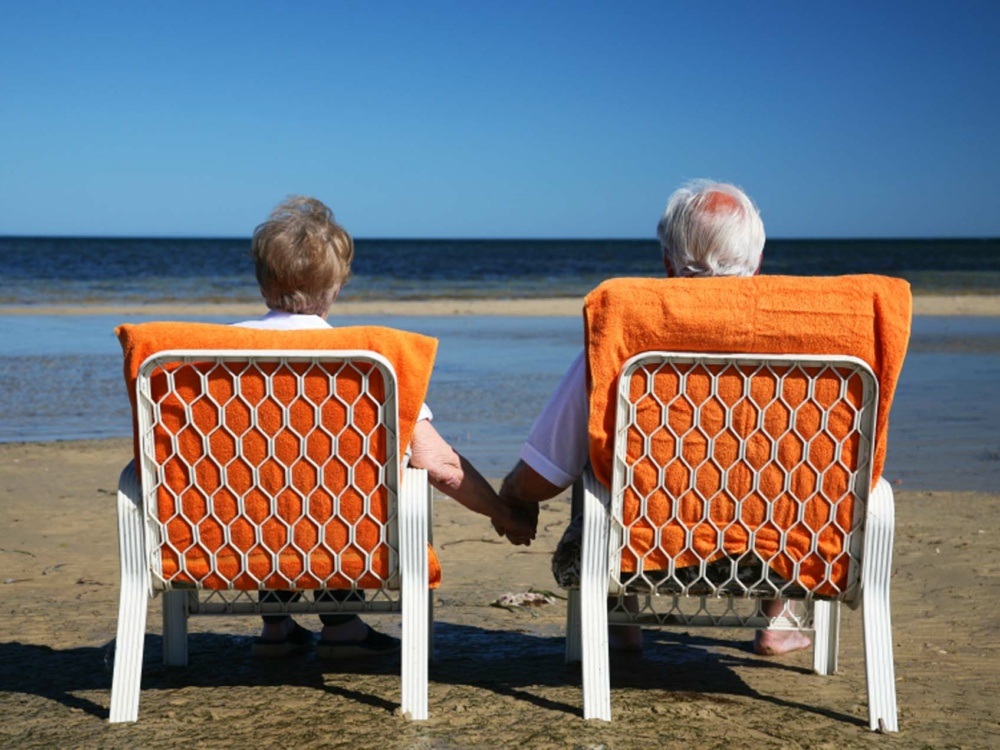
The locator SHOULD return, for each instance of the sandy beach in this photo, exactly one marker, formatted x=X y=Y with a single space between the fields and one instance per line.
x=923 y=304
x=498 y=679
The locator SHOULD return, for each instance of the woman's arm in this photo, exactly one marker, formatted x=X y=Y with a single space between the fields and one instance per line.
x=451 y=473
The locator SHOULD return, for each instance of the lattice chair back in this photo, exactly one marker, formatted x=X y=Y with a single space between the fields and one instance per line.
x=266 y=471
x=272 y=460
x=737 y=439
x=741 y=475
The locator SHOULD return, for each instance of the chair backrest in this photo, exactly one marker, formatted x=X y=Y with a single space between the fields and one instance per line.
x=740 y=424
x=267 y=470
x=739 y=474
x=272 y=459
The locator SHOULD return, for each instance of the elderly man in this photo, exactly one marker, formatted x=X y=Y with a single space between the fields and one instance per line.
x=708 y=229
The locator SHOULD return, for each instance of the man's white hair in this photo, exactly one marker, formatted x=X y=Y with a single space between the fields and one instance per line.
x=711 y=229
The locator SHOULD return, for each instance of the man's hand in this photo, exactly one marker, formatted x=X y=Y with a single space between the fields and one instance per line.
x=518 y=521
x=523 y=489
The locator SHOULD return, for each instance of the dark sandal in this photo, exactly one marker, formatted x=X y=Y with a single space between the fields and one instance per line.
x=373 y=644
x=298 y=641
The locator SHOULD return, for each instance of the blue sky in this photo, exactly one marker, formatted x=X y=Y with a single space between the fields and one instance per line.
x=498 y=119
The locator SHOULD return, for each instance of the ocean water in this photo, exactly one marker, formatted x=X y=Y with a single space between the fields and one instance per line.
x=67 y=270
x=60 y=375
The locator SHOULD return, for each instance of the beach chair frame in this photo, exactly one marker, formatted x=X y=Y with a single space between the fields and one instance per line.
x=142 y=534
x=667 y=599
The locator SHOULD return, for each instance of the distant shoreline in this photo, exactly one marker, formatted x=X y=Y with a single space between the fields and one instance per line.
x=923 y=304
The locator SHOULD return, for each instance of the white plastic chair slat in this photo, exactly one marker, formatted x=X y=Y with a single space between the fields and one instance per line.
x=125 y=683
x=876 y=573
x=593 y=606
x=175 y=641
x=826 y=636
x=413 y=553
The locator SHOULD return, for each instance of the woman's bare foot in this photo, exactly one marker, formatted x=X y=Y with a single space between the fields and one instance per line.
x=778 y=642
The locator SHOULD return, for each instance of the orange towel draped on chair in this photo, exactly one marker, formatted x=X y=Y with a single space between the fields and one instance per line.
x=862 y=316
x=226 y=534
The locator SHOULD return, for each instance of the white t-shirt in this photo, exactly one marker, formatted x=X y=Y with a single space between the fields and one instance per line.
x=558 y=446
x=283 y=321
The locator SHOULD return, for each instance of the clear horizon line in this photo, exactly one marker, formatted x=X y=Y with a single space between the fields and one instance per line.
x=846 y=238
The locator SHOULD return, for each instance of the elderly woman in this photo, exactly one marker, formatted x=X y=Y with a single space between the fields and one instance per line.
x=708 y=229
x=303 y=258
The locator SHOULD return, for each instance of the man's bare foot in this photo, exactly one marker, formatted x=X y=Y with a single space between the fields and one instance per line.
x=778 y=642
x=625 y=638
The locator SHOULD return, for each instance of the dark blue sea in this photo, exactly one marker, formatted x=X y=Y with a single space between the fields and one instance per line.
x=68 y=270
x=60 y=375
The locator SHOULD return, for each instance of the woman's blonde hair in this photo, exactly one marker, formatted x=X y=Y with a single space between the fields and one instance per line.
x=302 y=257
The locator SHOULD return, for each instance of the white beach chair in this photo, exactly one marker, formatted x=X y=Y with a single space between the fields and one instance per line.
x=269 y=470
x=736 y=478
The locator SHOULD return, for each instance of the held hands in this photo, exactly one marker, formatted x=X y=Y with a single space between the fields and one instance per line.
x=523 y=489
x=517 y=520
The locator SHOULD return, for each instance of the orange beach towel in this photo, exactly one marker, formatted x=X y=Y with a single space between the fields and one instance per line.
x=863 y=316
x=286 y=512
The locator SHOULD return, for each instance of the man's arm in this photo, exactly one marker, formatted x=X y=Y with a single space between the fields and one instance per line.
x=526 y=485
x=554 y=454
x=522 y=490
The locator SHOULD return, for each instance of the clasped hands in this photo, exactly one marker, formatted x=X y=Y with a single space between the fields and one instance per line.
x=522 y=491
x=518 y=520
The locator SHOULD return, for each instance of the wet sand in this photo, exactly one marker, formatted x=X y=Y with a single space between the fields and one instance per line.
x=986 y=305
x=498 y=679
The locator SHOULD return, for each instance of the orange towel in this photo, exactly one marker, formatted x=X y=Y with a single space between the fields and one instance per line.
x=862 y=316
x=244 y=541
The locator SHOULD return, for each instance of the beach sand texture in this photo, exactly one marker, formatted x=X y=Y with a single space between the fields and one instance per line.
x=923 y=304
x=498 y=679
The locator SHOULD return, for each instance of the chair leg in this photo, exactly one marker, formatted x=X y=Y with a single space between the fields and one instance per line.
x=430 y=626
x=573 y=645
x=875 y=575
x=826 y=638
x=413 y=535
x=593 y=604
x=430 y=594
x=134 y=599
x=175 y=642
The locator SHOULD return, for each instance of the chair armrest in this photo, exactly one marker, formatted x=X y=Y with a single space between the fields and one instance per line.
x=880 y=530
x=132 y=544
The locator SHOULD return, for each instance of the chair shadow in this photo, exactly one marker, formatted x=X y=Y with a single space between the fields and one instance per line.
x=49 y=673
x=509 y=663
x=674 y=664
x=215 y=660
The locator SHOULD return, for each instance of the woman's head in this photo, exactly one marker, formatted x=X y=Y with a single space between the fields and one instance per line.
x=302 y=257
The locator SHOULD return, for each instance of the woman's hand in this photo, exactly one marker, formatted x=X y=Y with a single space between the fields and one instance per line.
x=517 y=520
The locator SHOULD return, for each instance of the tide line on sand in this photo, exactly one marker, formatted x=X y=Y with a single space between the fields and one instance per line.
x=972 y=305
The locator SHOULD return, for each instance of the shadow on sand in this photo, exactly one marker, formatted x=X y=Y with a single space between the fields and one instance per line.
x=675 y=666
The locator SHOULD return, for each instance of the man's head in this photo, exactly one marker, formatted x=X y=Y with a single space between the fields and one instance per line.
x=302 y=257
x=711 y=229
